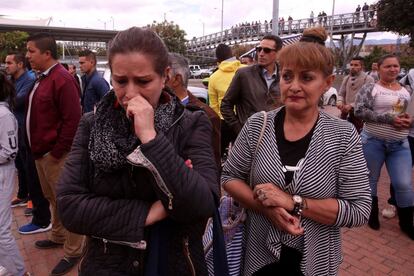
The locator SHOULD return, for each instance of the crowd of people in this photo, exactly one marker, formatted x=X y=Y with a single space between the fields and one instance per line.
x=126 y=178
x=254 y=28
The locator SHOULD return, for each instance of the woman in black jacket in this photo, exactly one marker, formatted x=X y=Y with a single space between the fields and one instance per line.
x=140 y=180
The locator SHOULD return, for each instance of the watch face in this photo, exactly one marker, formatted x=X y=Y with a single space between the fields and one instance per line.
x=297 y=199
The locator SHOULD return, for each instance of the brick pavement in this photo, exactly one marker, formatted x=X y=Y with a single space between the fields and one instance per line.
x=366 y=252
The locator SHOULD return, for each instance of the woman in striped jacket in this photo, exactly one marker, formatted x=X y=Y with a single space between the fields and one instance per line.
x=308 y=174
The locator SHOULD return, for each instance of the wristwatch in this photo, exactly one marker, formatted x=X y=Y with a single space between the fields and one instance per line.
x=298 y=205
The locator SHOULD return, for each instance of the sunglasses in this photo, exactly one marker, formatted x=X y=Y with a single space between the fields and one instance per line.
x=266 y=50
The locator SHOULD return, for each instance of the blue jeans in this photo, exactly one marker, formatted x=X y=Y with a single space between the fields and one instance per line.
x=397 y=158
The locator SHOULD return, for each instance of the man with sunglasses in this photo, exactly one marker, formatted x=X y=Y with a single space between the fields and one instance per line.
x=349 y=89
x=254 y=88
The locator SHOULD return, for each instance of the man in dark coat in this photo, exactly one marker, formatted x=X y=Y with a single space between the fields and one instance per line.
x=254 y=88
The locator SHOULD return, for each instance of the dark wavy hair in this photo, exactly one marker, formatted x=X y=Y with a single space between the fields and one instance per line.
x=7 y=91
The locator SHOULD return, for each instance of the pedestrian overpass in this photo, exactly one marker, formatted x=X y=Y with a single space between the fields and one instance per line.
x=202 y=49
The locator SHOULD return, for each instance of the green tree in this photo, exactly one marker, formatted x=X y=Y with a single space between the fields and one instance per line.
x=376 y=53
x=172 y=35
x=240 y=49
x=396 y=16
x=12 y=41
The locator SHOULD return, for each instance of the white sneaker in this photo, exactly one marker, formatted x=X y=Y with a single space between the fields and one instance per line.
x=389 y=211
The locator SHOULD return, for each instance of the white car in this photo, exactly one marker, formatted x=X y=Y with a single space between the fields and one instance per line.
x=200 y=92
x=330 y=97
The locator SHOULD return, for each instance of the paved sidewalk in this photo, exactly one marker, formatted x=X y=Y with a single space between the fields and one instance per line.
x=366 y=252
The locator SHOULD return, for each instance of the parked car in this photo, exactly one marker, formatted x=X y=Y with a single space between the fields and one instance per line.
x=200 y=92
x=330 y=97
x=197 y=73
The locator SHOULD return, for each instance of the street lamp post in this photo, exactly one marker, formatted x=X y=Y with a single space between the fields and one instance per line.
x=222 y=17
x=275 y=18
x=332 y=23
x=113 y=23
x=104 y=22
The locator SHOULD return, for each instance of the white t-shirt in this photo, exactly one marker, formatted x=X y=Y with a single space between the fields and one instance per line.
x=391 y=102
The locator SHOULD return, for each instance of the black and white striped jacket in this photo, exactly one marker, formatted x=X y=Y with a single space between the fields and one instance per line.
x=334 y=167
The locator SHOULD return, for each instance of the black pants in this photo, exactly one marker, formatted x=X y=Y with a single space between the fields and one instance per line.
x=41 y=212
x=289 y=264
x=227 y=136
x=23 y=192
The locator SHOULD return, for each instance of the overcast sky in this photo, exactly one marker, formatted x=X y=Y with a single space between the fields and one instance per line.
x=190 y=15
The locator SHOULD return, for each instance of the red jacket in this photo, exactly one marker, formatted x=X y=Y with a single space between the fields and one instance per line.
x=55 y=113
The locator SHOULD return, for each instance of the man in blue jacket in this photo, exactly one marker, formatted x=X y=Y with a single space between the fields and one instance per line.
x=94 y=85
x=28 y=179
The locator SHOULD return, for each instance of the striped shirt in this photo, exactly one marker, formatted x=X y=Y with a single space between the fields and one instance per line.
x=334 y=167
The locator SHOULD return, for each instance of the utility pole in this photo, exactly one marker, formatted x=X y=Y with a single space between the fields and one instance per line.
x=275 y=18
x=332 y=23
x=222 y=17
x=63 y=50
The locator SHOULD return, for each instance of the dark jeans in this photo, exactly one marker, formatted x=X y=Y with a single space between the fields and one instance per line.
x=20 y=163
x=227 y=136
x=41 y=212
x=289 y=264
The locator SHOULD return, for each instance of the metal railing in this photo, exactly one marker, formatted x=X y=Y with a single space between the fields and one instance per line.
x=364 y=21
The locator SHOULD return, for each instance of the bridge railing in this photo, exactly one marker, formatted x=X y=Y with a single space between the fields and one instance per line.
x=342 y=23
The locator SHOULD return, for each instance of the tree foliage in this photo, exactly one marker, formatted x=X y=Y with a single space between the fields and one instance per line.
x=396 y=16
x=376 y=53
x=240 y=49
x=12 y=41
x=172 y=35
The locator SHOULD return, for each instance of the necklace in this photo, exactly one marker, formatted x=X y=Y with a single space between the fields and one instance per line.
x=387 y=84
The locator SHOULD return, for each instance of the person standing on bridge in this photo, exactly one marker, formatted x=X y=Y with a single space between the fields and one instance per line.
x=94 y=86
x=311 y=19
x=349 y=89
x=365 y=9
x=218 y=84
x=357 y=13
x=254 y=88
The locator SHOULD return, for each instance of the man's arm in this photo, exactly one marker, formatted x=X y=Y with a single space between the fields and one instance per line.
x=342 y=91
x=70 y=114
x=213 y=96
x=101 y=87
x=22 y=93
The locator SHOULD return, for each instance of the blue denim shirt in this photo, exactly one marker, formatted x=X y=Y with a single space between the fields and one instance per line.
x=23 y=85
x=94 y=88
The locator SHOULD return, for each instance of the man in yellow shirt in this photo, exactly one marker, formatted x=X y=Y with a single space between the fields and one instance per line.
x=218 y=84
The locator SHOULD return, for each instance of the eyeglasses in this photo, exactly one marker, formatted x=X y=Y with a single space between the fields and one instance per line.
x=266 y=50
